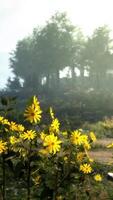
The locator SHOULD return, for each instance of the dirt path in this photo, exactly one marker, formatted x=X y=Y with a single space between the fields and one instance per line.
x=103 y=155
x=104 y=142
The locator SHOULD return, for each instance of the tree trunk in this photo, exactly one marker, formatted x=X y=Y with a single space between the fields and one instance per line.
x=57 y=81
x=48 y=81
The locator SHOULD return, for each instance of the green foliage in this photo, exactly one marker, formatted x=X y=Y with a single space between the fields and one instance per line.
x=102 y=129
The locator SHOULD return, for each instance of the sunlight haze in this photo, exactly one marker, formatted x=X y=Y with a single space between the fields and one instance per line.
x=19 y=17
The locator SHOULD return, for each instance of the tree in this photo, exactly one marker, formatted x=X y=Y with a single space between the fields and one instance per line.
x=54 y=47
x=48 y=50
x=97 y=55
x=13 y=85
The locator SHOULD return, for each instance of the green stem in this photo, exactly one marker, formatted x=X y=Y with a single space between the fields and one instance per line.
x=56 y=187
x=29 y=175
x=4 y=179
x=28 y=181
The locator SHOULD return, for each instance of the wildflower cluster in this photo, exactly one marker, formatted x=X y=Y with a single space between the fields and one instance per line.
x=53 y=157
x=82 y=143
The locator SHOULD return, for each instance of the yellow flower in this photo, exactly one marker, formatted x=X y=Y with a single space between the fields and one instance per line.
x=42 y=135
x=20 y=128
x=55 y=125
x=76 y=138
x=80 y=156
x=4 y=121
x=110 y=145
x=52 y=143
x=84 y=138
x=92 y=136
x=87 y=145
x=30 y=135
x=33 y=112
x=3 y=146
x=86 y=168
x=98 y=177
x=85 y=142
x=52 y=113
x=13 y=140
x=35 y=101
x=13 y=126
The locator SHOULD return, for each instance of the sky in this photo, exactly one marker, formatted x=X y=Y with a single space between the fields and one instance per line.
x=19 y=17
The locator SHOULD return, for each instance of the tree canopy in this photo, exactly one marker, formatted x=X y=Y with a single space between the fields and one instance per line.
x=39 y=58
